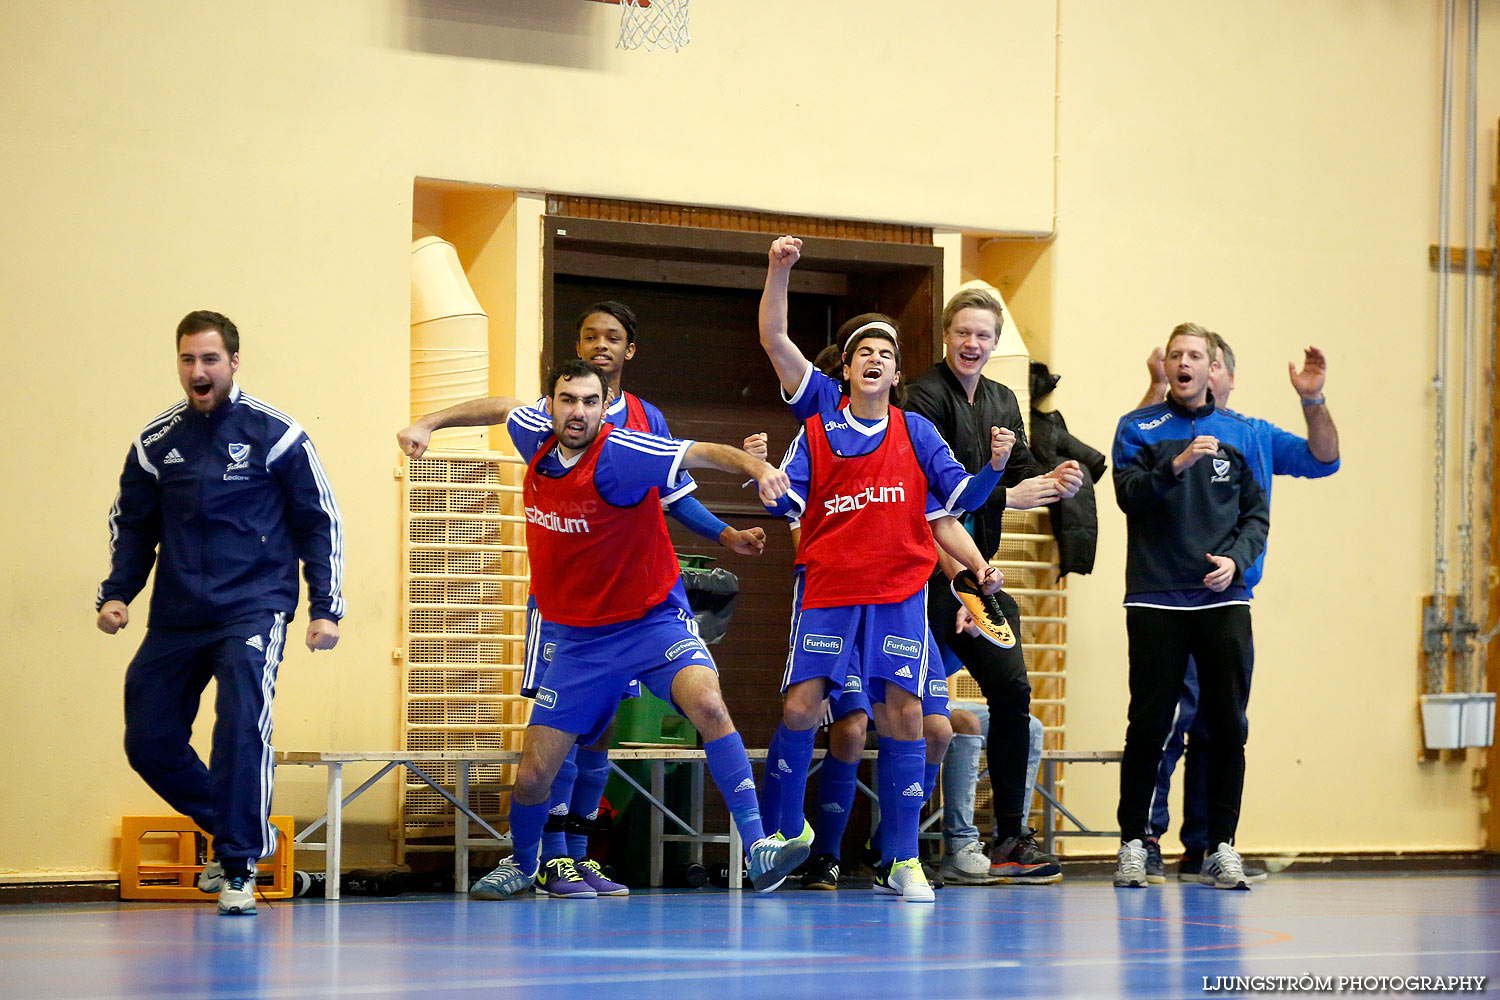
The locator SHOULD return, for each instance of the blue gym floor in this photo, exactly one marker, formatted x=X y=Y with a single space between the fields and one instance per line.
x=1081 y=938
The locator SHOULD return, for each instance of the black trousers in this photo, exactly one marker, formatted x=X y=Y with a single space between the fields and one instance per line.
x=1001 y=675
x=1219 y=640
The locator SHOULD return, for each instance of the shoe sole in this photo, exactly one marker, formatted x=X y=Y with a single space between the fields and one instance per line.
x=1156 y=879
x=1035 y=875
x=549 y=894
x=1127 y=883
x=237 y=911
x=820 y=886
x=962 y=879
x=1214 y=883
x=495 y=894
x=1000 y=633
x=792 y=856
x=1032 y=879
x=1194 y=877
x=886 y=890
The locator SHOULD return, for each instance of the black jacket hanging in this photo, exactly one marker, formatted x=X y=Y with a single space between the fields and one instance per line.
x=1075 y=521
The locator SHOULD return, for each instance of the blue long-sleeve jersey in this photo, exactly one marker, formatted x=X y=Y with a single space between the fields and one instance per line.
x=225 y=504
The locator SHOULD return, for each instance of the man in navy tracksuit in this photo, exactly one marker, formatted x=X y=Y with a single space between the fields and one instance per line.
x=225 y=495
x=1197 y=518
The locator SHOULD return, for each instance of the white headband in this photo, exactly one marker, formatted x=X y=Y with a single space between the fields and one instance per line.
x=874 y=324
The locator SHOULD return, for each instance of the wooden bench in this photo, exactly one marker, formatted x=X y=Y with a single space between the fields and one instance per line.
x=658 y=757
x=463 y=840
x=1047 y=785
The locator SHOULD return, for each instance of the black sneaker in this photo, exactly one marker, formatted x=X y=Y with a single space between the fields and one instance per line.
x=934 y=877
x=870 y=857
x=1189 y=866
x=821 y=872
x=1156 y=872
x=983 y=608
x=1019 y=861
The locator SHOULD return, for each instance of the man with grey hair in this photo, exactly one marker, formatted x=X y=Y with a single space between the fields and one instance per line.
x=1277 y=452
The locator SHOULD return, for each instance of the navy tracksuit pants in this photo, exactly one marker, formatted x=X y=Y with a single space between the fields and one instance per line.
x=231 y=797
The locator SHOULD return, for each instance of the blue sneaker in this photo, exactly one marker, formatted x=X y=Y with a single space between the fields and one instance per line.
x=773 y=859
x=505 y=882
x=559 y=878
x=590 y=872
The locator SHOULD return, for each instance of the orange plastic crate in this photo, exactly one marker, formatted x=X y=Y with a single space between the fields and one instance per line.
x=177 y=876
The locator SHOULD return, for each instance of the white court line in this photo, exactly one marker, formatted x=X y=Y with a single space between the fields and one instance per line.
x=1240 y=954
x=490 y=984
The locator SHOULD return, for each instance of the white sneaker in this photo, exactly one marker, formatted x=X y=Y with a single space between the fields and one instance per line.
x=211 y=878
x=969 y=865
x=1131 y=874
x=908 y=881
x=237 y=898
x=1223 y=869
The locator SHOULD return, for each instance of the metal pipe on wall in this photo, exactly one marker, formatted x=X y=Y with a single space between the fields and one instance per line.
x=1463 y=615
x=1436 y=616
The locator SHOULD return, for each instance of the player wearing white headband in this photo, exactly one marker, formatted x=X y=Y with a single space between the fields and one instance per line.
x=868 y=480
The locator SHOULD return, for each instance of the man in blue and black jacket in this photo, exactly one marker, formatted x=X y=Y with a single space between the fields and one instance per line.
x=224 y=495
x=1196 y=518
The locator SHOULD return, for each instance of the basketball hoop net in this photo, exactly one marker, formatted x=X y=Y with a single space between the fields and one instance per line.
x=646 y=24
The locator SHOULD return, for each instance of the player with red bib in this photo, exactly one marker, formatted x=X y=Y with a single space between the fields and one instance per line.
x=603 y=572
x=873 y=487
x=606 y=338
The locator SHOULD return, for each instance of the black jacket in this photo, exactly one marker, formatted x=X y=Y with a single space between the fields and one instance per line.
x=938 y=396
x=1075 y=521
x=1172 y=519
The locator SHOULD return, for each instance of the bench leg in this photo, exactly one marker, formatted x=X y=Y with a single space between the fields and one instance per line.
x=335 y=832
x=736 y=856
x=658 y=792
x=697 y=809
x=461 y=832
x=1049 y=820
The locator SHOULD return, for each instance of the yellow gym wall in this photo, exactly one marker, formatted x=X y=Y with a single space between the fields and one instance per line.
x=1266 y=171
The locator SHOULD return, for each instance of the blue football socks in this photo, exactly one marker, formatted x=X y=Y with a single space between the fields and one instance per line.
x=554 y=841
x=731 y=772
x=792 y=763
x=588 y=790
x=835 y=799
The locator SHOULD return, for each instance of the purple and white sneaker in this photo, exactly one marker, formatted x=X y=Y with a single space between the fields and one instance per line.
x=559 y=878
x=589 y=871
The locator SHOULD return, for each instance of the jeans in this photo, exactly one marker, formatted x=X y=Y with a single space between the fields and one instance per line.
x=961 y=773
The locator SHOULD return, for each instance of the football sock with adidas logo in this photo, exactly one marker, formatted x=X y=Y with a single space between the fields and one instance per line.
x=770 y=779
x=588 y=790
x=792 y=764
x=835 y=799
x=907 y=763
x=554 y=840
x=731 y=772
x=887 y=793
x=526 y=823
